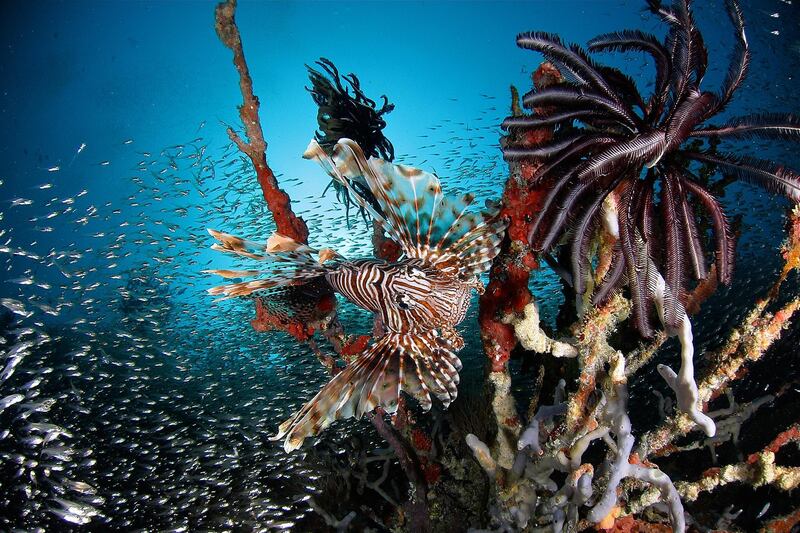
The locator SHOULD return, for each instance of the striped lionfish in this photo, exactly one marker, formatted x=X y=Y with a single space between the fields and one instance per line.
x=417 y=300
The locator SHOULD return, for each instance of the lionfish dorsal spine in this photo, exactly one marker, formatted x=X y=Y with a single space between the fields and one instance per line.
x=426 y=223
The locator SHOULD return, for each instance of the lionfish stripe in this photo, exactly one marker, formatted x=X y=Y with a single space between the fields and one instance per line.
x=411 y=383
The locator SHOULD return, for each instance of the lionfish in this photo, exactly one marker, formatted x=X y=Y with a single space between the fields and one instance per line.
x=417 y=300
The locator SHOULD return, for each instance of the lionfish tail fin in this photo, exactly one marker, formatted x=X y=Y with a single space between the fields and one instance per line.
x=281 y=261
x=415 y=213
x=419 y=365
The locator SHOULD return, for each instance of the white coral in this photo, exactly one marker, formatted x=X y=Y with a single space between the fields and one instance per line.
x=530 y=335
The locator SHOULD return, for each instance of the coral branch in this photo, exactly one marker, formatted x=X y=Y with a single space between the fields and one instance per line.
x=594 y=352
x=790 y=250
x=533 y=338
x=506 y=417
x=759 y=469
x=255 y=148
x=616 y=416
x=682 y=383
x=507 y=292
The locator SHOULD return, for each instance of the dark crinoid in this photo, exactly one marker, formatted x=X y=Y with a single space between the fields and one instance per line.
x=345 y=112
x=608 y=138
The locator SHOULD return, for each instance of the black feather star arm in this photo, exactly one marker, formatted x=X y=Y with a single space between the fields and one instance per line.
x=528 y=122
x=699 y=57
x=644 y=209
x=636 y=40
x=674 y=248
x=619 y=156
x=544 y=151
x=739 y=61
x=694 y=246
x=572 y=97
x=633 y=248
x=686 y=116
x=572 y=58
x=563 y=212
x=561 y=183
x=613 y=279
x=625 y=88
x=767 y=174
x=723 y=235
x=665 y=14
x=683 y=34
x=758 y=125
x=584 y=146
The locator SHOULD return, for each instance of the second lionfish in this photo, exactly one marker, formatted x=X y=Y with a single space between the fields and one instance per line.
x=417 y=300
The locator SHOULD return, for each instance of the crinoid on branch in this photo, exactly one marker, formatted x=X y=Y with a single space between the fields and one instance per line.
x=609 y=138
x=345 y=112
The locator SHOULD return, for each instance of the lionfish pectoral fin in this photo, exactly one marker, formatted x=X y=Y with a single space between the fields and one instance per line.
x=281 y=261
x=416 y=364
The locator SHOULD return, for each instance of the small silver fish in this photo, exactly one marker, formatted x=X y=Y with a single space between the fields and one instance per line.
x=70 y=517
x=10 y=400
x=15 y=306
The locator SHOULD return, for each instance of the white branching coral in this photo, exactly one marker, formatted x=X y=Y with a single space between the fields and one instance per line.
x=683 y=382
x=529 y=332
x=530 y=490
x=616 y=417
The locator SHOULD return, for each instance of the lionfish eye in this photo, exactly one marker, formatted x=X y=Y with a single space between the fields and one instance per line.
x=414 y=272
x=402 y=301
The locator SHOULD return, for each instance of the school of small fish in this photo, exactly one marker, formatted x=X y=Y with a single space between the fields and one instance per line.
x=126 y=401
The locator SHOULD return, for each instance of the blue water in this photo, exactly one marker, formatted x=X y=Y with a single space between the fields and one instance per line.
x=115 y=97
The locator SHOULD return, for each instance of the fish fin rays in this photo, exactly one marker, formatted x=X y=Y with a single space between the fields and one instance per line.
x=414 y=211
x=419 y=365
x=281 y=261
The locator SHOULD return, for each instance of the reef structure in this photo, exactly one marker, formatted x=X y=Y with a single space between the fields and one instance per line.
x=588 y=156
x=590 y=164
